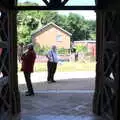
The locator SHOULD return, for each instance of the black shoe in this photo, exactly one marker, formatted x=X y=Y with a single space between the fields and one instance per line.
x=29 y=94
x=26 y=92
x=53 y=81
x=49 y=81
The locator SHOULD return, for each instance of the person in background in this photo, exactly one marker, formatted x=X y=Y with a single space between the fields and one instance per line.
x=76 y=56
x=28 y=60
x=20 y=51
x=52 y=64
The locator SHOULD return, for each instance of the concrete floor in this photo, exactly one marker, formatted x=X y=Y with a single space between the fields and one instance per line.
x=70 y=98
x=58 y=106
x=64 y=81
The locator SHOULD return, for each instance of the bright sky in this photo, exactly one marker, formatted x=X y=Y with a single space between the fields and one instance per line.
x=89 y=15
x=70 y=2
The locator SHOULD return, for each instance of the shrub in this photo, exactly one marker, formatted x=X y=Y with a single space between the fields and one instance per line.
x=81 y=48
x=62 y=51
x=41 y=50
x=37 y=48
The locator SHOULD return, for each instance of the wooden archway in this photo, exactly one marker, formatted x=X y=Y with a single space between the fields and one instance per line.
x=106 y=97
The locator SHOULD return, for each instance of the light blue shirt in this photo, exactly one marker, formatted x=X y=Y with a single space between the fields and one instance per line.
x=53 y=57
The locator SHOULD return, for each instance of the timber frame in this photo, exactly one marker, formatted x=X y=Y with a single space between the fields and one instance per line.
x=106 y=100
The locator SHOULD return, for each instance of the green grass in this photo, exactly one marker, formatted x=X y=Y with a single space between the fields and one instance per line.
x=66 y=66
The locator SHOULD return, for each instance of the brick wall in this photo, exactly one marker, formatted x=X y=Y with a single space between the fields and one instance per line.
x=48 y=38
x=90 y=45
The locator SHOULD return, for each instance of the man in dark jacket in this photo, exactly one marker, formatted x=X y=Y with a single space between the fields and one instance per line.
x=28 y=59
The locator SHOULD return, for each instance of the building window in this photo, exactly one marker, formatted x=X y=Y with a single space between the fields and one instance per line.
x=59 y=38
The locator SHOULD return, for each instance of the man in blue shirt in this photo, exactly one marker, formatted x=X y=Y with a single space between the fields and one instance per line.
x=52 y=64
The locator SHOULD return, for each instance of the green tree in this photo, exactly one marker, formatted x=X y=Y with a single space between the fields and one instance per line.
x=30 y=21
x=92 y=28
x=81 y=48
x=77 y=25
x=26 y=23
x=48 y=16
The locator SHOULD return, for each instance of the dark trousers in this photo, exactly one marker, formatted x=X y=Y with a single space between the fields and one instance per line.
x=28 y=81
x=51 y=66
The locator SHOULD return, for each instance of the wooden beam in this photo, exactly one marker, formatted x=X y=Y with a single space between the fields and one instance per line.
x=46 y=2
x=110 y=83
x=64 y=2
x=54 y=8
x=112 y=45
x=3 y=44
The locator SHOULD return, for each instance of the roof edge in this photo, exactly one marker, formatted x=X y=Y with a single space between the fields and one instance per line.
x=51 y=23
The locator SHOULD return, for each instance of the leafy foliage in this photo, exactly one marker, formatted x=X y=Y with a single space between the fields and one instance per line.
x=41 y=50
x=81 y=48
x=62 y=51
x=30 y=21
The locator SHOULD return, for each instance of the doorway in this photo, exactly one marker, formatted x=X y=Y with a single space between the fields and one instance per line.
x=14 y=46
x=67 y=88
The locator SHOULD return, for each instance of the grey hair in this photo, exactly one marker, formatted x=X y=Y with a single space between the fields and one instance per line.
x=30 y=46
x=53 y=46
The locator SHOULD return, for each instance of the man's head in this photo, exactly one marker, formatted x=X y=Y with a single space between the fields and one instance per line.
x=30 y=46
x=54 y=47
x=21 y=44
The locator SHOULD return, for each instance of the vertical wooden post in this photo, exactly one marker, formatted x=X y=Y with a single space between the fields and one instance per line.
x=116 y=113
x=12 y=47
x=97 y=101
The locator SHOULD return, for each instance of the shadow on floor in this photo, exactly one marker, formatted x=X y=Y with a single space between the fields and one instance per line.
x=67 y=99
x=64 y=84
x=77 y=106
